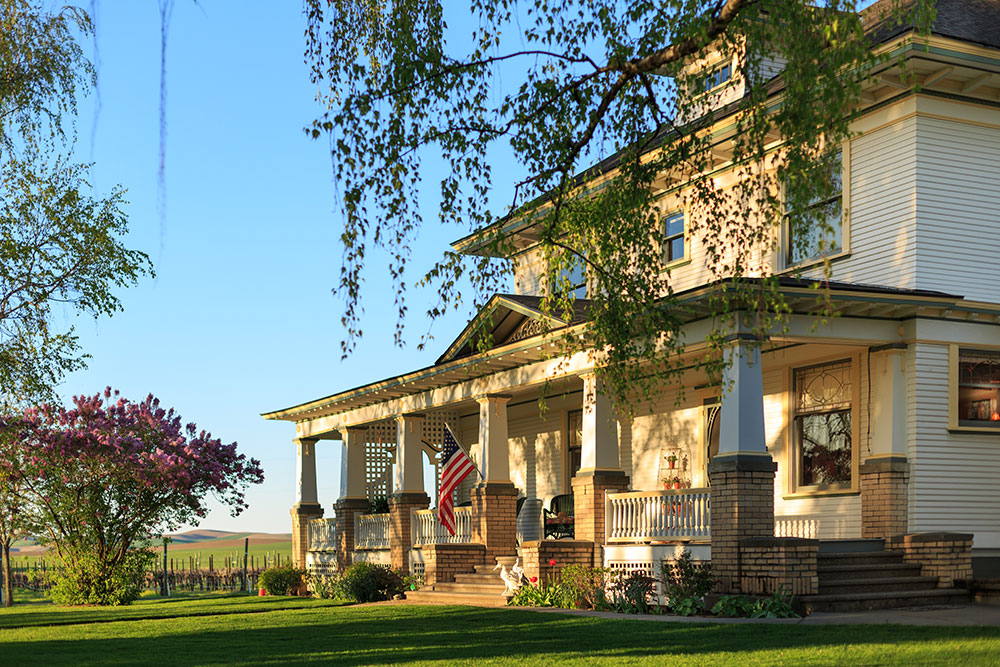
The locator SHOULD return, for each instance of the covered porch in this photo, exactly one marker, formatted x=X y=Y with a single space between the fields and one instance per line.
x=698 y=468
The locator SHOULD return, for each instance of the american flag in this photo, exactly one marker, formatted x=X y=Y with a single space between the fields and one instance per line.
x=455 y=465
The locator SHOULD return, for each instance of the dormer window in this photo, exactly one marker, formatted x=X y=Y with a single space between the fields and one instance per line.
x=719 y=76
x=673 y=236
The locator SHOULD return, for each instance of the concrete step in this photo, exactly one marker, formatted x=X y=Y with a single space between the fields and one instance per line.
x=860 y=558
x=459 y=587
x=885 y=600
x=469 y=578
x=877 y=584
x=850 y=546
x=832 y=573
x=446 y=597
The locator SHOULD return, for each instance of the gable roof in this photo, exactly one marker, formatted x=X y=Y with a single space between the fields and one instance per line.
x=509 y=318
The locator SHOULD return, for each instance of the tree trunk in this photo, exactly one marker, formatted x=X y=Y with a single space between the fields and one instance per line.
x=8 y=584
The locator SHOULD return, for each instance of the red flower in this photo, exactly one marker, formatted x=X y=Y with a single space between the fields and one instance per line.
x=552 y=562
x=534 y=579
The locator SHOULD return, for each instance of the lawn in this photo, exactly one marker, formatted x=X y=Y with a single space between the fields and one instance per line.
x=245 y=630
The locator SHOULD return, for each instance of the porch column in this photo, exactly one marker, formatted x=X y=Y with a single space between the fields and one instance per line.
x=885 y=471
x=353 y=498
x=742 y=473
x=600 y=468
x=409 y=488
x=494 y=499
x=306 y=505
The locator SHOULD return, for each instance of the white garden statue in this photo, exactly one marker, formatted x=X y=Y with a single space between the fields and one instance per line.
x=514 y=578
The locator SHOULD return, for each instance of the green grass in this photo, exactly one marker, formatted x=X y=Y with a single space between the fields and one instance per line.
x=181 y=553
x=250 y=630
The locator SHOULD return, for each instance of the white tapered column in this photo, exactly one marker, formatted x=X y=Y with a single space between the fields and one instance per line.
x=493 y=437
x=409 y=473
x=352 y=463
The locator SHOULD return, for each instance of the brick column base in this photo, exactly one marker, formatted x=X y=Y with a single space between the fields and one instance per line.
x=538 y=555
x=301 y=515
x=947 y=556
x=345 y=510
x=494 y=509
x=742 y=507
x=400 y=538
x=588 y=505
x=443 y=561
x=883 y=496
x=773 y=564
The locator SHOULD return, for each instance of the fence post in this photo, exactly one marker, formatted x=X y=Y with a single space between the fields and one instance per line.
x=166 y=582
x=245 y=584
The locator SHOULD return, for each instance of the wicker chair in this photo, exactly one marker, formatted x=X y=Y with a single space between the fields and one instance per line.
x=559 y=518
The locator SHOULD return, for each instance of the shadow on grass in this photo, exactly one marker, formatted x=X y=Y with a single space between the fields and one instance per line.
x=397 y=634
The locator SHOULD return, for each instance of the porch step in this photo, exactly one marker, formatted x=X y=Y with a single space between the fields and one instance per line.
x=453 y=597
x=469 y=578
x=863 y=580
x=830 y=573
x=877 y=584
x=884 y=600
x=859 y=558
x=458 y=587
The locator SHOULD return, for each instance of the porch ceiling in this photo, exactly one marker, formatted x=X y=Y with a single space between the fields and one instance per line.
x=848 y=301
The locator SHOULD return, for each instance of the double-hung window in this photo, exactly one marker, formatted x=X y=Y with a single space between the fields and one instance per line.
x=719 y=76
x=822 y=426
x=673 y=236
x=815 y=222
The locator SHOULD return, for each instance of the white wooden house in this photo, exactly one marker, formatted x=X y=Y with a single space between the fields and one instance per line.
x=884 y=421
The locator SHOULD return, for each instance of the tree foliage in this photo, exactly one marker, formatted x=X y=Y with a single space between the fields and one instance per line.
x=561 y=87
x=60 y=244
x=104 y=475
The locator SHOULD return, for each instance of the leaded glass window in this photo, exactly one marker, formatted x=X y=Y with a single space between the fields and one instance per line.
x=979 y=388
x=823 y=428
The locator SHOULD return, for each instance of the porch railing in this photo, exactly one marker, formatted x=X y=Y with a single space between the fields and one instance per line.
x=427 y=530
x=322 y=535
x=651 y=516
x=371 y=531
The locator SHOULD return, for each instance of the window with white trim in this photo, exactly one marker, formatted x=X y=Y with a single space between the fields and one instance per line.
x=673 y=237
x=823 y=441
x=979 y=388
x=719 y=76
x=815 y=225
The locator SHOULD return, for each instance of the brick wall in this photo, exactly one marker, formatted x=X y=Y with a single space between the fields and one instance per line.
x=443 y=561
x=345 y=509
x=494 y=518
x=301 y=515
x=400 y=539
x=772 y=564
x=883 y=497
x=588 y=504
x=947 y=556
x=537 y=556
x=742 y=507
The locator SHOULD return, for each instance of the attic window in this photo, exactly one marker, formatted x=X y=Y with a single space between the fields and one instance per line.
x=719 y=76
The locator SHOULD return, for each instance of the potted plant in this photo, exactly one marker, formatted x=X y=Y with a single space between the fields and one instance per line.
x=672 y=461
x=676 y=483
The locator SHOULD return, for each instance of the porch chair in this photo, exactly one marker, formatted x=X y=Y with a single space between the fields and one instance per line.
x=559 y=517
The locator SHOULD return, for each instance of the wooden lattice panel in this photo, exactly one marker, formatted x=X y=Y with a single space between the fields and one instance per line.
x=380 y=442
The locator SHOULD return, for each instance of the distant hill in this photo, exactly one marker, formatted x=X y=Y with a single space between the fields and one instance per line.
x=199 y=538
x=211 y=539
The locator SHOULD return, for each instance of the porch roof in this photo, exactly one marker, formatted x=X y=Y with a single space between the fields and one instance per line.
x=507 y=315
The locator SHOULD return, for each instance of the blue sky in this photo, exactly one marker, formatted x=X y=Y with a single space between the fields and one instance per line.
x=240 y=318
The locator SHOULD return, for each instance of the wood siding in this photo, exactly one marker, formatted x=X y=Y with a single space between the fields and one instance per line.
x=958 y=207
x=953 y=476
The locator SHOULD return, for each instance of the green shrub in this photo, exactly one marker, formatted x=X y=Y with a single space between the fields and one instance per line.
x=777 y=605
x=587 y=586
x=413 y=582
x=364 y=582
x=630 y=593
x=686 y=582
x=552 y=594
x=323 y=586
x=379 y=505
x=90 y=583
x=281 y=580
